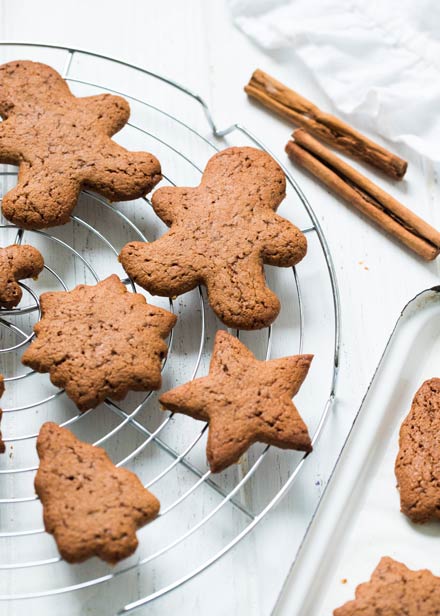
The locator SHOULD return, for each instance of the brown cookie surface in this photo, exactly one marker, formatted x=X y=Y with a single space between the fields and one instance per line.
x=2 y=391
x=418 y=461
x=395 y=590
x=222 y=232
x=99 y=341
x=61 y=144
x=16 y=263
x=90 y=506
x=245 y=401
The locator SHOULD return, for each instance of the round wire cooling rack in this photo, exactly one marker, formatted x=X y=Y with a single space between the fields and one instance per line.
x=202 y=516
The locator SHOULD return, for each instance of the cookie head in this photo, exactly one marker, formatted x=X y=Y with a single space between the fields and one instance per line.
x=61 y=144
x=100 y=341
x=25 y=86
x=221 y=234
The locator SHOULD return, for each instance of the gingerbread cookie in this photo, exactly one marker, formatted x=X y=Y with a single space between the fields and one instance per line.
x=245 y=401
x=418 y=461
x=16 y=263
x=2 y=391
x=99 y=341
x=395 y=590
x=221 y=234
x=61 y=144
x=90 y=506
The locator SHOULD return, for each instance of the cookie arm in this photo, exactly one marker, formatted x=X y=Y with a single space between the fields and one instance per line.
x=166 y=267
x=171 y=203
x=284 y=244
x=27 y=261
x=112 y=112
x=9 y=153
x=120 y=175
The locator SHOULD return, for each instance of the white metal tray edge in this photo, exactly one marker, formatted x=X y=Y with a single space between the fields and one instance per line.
x=307 y=584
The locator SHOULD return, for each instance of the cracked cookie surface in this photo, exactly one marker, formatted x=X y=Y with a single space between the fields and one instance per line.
x=90 y=506
x=418 y=461
x=395 y=590
x=100 y=341
x=62 y=143
x=244 y=400
x=16 y=263
x=221 y=233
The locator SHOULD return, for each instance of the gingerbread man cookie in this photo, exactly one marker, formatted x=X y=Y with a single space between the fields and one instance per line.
x=99 y=341
x=61 y=144
x=245 y=401
x=221 y=234
x=395 y=590
x=90 y=506
x=16 y=263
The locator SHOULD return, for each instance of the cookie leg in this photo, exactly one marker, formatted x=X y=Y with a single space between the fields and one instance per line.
x=41 y=199
x=240 y=297
x=120 y=175
x=162 y=267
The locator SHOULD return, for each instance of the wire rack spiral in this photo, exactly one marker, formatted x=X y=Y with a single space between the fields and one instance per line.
x=202 y=516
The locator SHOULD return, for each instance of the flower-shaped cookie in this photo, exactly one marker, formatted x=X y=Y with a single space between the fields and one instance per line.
x=100 y=341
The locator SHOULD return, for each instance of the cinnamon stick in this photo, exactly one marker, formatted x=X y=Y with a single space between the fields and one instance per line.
x=359 y=191
x=288 y=103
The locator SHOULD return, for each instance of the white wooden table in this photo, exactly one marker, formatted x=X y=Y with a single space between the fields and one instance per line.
x=195 y=43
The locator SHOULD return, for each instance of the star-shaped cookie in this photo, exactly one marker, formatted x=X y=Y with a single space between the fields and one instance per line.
x=395 y=590
x=244 y=400
x=61 y=144
x=90 y=506
x=16 y=263
x=222 y=232
x=100 y=341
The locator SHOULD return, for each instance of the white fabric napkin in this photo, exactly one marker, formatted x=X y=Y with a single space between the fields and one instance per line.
x=378 y=60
